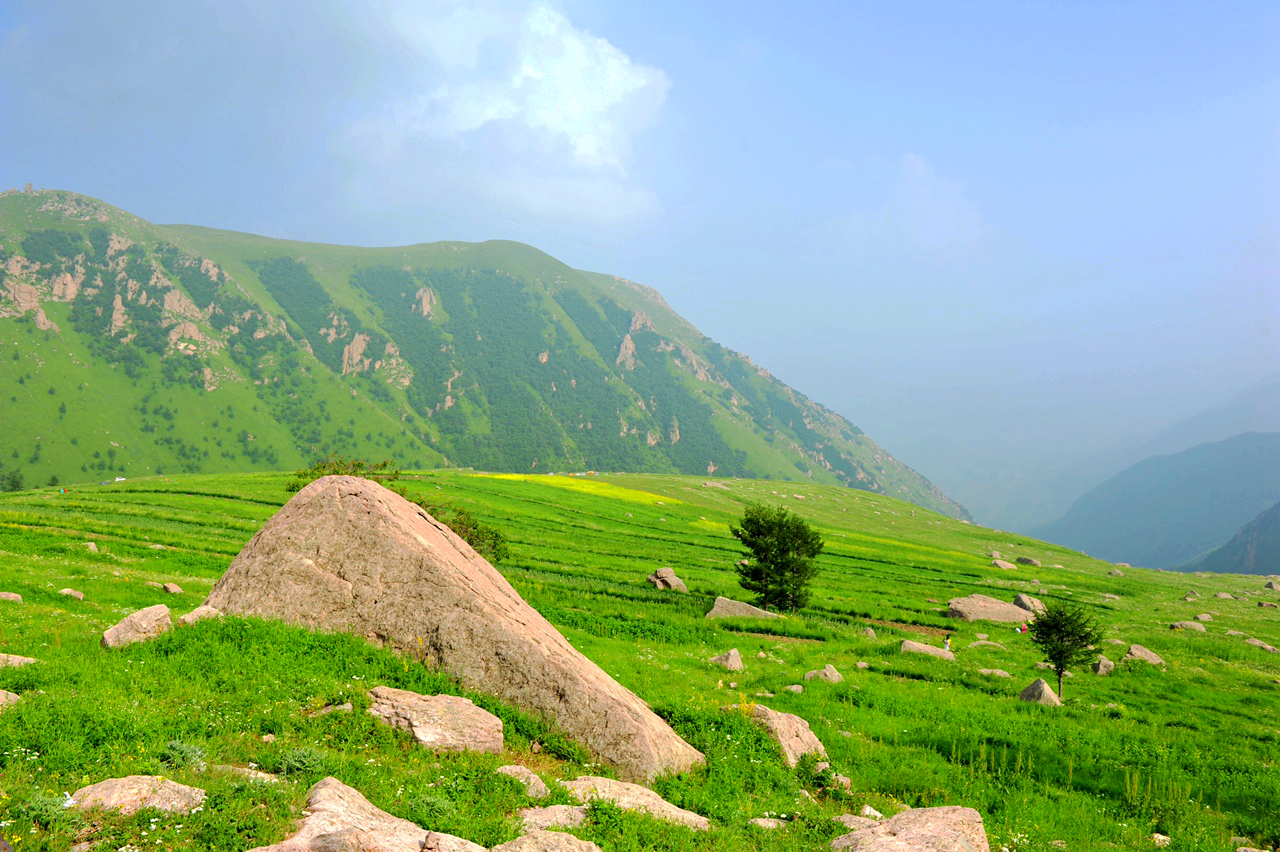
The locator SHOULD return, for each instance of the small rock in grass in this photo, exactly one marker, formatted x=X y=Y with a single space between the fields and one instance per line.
x=1115 y=641
x=1160 y=839
x=1226 y=596
x=1258 y=643
x=247 y=773
x=138 y=627
x=1204 y=616
x=994 y=673
x=200 y=613
x=1115 y=572
x=15 y=660
x=91 y=546
x=547 y=841
x=765 y=695
x=665 y=578
x=910 y=647
x=1194 y=626
x=438 y=722
x=1268 y=605
x=8 y=698
x=767 y=823
x=1039 y=692
x=1139 y=653
x=1003 y=565
x=633 y=797
x=730 y=660
x=762 y=656
x=981 y=636
x=795 y=687
x=152 y=584
x=268 y=738
x=172 y=588
x=827 y=673
x=870 y=812
x=862 y=665
x=72 y=593
x=553 y=816
x=1027 y=560
x=11 y=596
x=534 y=786
x=729 y=608
x=868 y=632
x=133 y=793
x=983 y=643
x=1103 y=667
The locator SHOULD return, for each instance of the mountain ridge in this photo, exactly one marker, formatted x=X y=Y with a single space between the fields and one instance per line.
x=493 y=355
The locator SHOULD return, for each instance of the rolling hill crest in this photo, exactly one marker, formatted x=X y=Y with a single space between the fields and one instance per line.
x=136 y=349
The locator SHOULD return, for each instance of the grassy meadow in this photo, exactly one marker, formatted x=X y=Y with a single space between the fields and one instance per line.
x=1189 y=750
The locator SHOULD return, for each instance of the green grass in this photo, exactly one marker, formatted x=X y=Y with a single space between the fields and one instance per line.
x=1189 y=751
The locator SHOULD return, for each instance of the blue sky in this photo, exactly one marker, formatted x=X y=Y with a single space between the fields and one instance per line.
x=1000 y=237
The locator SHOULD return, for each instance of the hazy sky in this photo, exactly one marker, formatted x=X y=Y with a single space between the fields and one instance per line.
x=996 y=236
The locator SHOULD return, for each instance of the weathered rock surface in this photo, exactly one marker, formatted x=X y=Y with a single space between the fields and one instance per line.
x=730 y=660
x=983 y=643
x=438 y=722
x=133 y=793
x=200 y=613
x=16 y=660
x=1115 y=572
x=1268 y=605
x=172 y=588
x=8 y=698
x=910 y=647
x=1226 y=596
x=795 y=687
x=1027 y=560
x=871 y=813
x=547 y=841
x=1039 y=692
x=1258 y=643
x=729 y=608
x=789 y=731
x=984 y=608
x=1032 y=605
x=534 y=786
x=339 y=819
x=1103 y=667
x=868 y=632
x=553 y=816
x=72 y=593
x=1271 y=584
x=767 y=823
x=827 y=673
x=862 y=664
x=665 y=578
x=140 y=626
x=247 y=773
x=347 y=555
x=11 y=596
x=1187 y=625
x=1137 y=652
x=91 y=546
x=854 y=822
x=946 y=829
x=994 y=673
x=1003 y=566
x=1204 y=616
x=633 y=797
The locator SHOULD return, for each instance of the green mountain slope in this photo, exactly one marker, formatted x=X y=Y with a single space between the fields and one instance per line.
x=135 y=348
x=1167 y=511
x=1255 y=549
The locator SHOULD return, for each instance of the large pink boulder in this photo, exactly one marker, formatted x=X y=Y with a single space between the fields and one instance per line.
x=133 y=793
x=347 y=555
x=946 y=829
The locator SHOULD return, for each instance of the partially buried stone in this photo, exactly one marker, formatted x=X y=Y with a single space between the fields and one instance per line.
x=945 y=829
x=438 y=722
x=827 y=673
x=729 y=608
x=133 y=793
x=547 y=841
x=730 y=660
x=633 y=797
x=553 y=816
x=72 y=593
x=1039 y=692
x=138 y=627
x=534 y=786
x=790 y=732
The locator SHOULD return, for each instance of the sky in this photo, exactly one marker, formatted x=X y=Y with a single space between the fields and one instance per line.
x=1002 y=238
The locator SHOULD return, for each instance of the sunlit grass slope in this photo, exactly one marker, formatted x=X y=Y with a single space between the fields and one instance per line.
x=1189 y=750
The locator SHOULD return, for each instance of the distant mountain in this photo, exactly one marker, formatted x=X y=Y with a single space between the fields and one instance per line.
x=1167 y=511
x=132 y=348
x=1253 y=550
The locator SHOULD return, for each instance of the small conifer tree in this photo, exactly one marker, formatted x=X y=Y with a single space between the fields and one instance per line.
x=1065 y=634
x=780 y=549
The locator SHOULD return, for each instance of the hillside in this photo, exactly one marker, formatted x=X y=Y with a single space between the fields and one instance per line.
x=1255 y=549
x=1186 y=749
x=1167 y=511
x=141 y=349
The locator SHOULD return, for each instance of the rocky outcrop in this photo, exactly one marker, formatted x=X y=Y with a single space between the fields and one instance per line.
x=553 y=816
x=730 y=660
x=729 y=608
x=946 y=829
x=910 y=647
x=665 y=578
x=347 y=555
x=789 y=731
x=984 y=608
x=633 y=797
x=339 y=819
x=1141 y=654
x=547 y=841
x=1039 y=692
x=438 y=722
x=139 y=627
x=1032 y=605
x=133 y=793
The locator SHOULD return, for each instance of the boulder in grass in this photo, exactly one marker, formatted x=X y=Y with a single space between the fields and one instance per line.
x=1268 y=605
x=438 y=722
x=547 y=841
x=553 y=816
x=910 y=647
x=1039 y=692
x=172 y=588
x=16 y=660
x=767 y=823
x=1027 y=560
x=1103 y=667
x=794 y=688
x=945 y=829
x=868 y=632
x=1226 y=596
x=1141 y=654
x=8 y=698
x=994 y=673
x=1194 y=626
x=827 y=673
x=985 y=608
x=1115 y=572
x=729 y=608
x=1123 y=565
x=730 y=660
x=72 y=593
x=852 y=822
x=91 y=546
x=534 y=786
x=790 y=732
x=1258 y=643
x=1272 y=585
x=348 y=555
x=665 y=578
x=1032 y=605
x=633 y=797
x=338 y=818
x=200 y=613
x=133 y=793
x=11 y=596
x=1003 y=565
x=139 y=627
x=983 y=643
x=1204 y=616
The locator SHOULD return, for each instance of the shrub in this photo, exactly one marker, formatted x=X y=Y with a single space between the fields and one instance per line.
x=780 y=549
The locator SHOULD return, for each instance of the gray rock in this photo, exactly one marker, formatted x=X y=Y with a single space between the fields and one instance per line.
x=827 y=673
x=910 y=647
x=1271 y=584
x=730 y=660
x=729 y=608
x=868 y=632
x=1027 y=560
x=946 y=829
x=1187 y=625
x=1115 y=572
x=1103 y=667
x=994 y=673
x=140 y=626
x=200 y=613
x=984 y=608
x=16 y=660
x=553 y=816
x=1032 y=605
x=438 y=722
x=534 y=786
x=633 y=797
x=665 y=578
x=1141 y=654
x=1267 y=605
x=328 y=560
x=789 y=731
x=1204 y=616
x=795 y=687
x=133 y=793
x=1039 y=692
x=547 y=841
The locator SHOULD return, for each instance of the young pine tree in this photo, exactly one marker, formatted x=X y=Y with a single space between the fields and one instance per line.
x=1065 y=635
x=780 y=549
